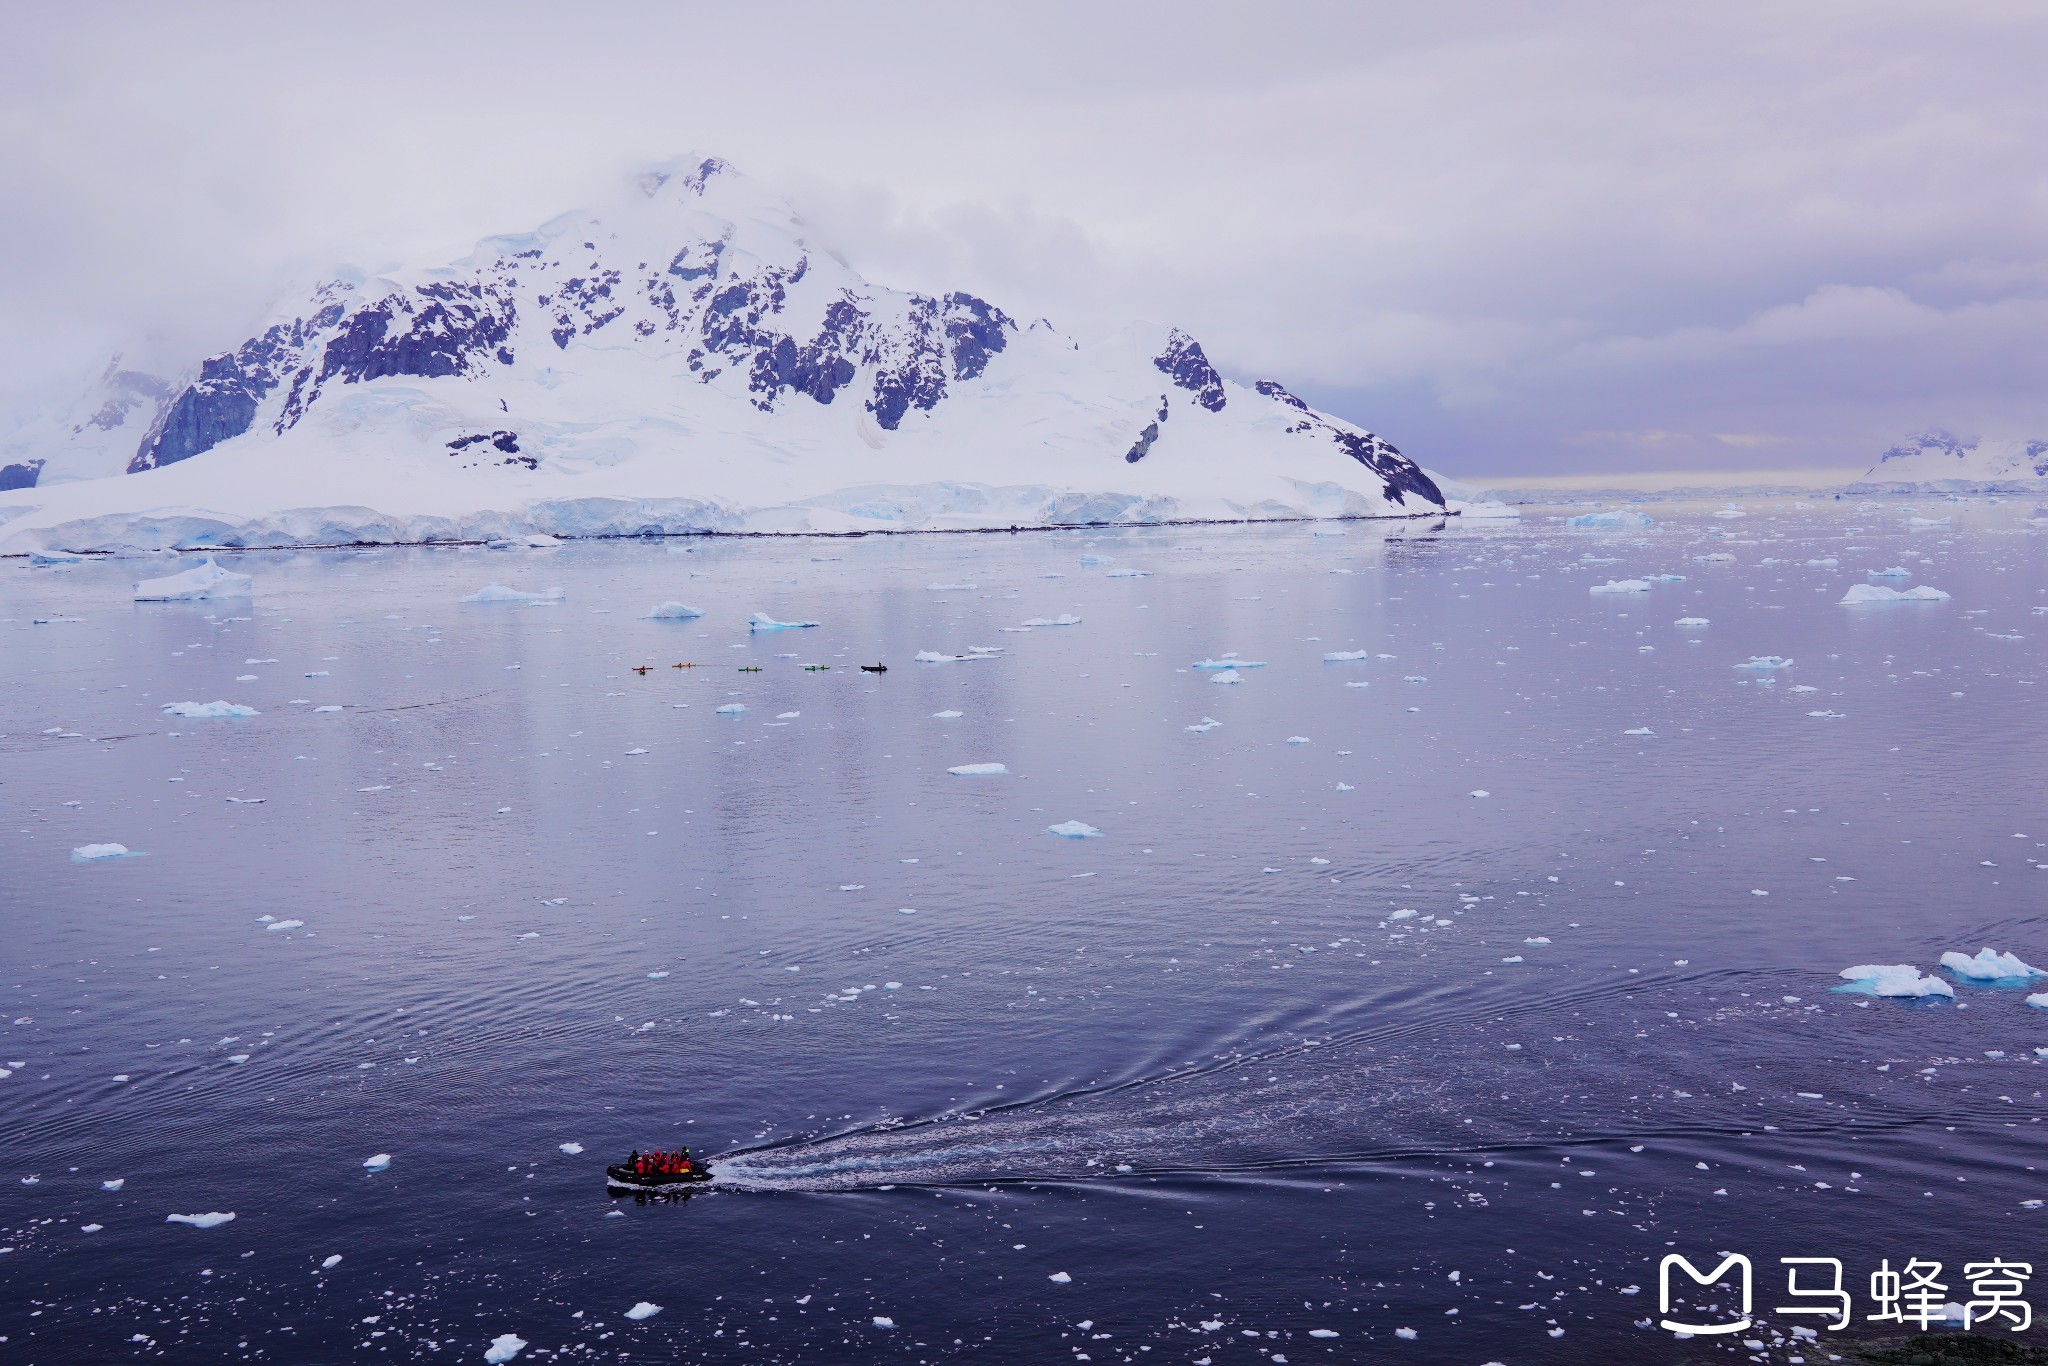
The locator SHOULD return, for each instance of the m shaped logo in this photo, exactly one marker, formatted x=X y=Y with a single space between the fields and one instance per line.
x=1733 y=1261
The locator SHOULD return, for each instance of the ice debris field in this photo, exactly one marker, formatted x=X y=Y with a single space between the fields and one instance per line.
x=1486 y=936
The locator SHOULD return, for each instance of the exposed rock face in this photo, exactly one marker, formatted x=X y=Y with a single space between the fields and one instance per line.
x=22 y=476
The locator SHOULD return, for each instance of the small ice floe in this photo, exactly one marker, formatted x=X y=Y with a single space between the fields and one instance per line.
x=1640 y=730
x=2039 y=1001
x=945 y=716
x=631 y=753
x=1228 y=662
x=1098 y=559
x=1060 y=1278
x=209 y=580
x=1063 y=619
x=1408 y=1334
x=1926 y=523
x=1227 y=676
x=1897 y=571
x=730 y=709
x=285 y=925
x=93 y=853
x=211 y=1220
x=1297 y=739
x=1207 y=723
x=498 y=592
x=672 y=611
x=1479 y=792
x=1346 y=787
x=643 y=1310
x=884 y=1321
x=318 y=710
x=503 y=1348
x=1074 y=830
x=1765 y=663
x=1605 y=521
x=332 y=1260
x=1860 y=594
x=977 y=770
x=949 y=587
x=1129 y=574
x=1690 y=623
x=572 y=1148
x=248 y=801
x=761 y=621
x=378 y=1163
x=787 y=715
x=1621 y=586
x=1991 y=967
x=114 y=1184
x=934 y=657
x=1891 y=979
x=208 y=711
x=1346 y=656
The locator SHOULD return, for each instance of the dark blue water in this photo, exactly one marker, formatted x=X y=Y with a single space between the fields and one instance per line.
x=1201 y=1069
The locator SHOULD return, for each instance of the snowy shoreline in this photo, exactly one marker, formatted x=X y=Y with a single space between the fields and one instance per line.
x=106 y=543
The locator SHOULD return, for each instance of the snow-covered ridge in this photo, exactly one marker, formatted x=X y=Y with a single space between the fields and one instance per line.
x=682 y=359
x=1936 y=462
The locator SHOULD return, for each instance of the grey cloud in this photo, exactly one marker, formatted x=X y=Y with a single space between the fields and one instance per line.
x=1512 y=237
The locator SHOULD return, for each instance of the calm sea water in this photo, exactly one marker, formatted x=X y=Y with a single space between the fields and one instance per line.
x=1416 y=994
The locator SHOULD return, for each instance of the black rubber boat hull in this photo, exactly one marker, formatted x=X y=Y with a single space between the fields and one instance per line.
x=622 y=1177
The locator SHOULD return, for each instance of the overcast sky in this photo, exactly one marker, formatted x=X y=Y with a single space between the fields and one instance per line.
x=1513 y=238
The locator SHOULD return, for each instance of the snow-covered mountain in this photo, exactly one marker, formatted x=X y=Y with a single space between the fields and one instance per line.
x=1935 y=462
x=681 y=359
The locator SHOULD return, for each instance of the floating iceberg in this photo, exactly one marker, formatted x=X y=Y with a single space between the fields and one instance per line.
x=380 y=1163
x=213 y=1220
x=1765 y=663
x=1073 y=830
x=945 y=715
x=93 y=853
x=1136 y=573
x=284 y=925
x=1891 y=979
x=1872 y=592
x=731 y=709
x=761 y=621
x=209 y=580
x=1297 y=739
x=209 y=710
x=1990 y=966
x=1064 y=619
x=1622 y=586
x=1609 y=520
x=1690 y=623
x=55 y=557
x=977 y=770
x=1231 y=662
x=1897 y=571
x=673 y=611
x=503 y=1348
x=1207 y=723
x=1346 y=656
x=2039 y=1000
x=934 y=657
x=1640 y=730
x=1227 y=676
x=498 y=592
x=1829 y=563
x=643 y=1310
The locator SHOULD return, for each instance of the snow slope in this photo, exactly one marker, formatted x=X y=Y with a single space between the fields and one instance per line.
x=1935 y=462
x=681 y=359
